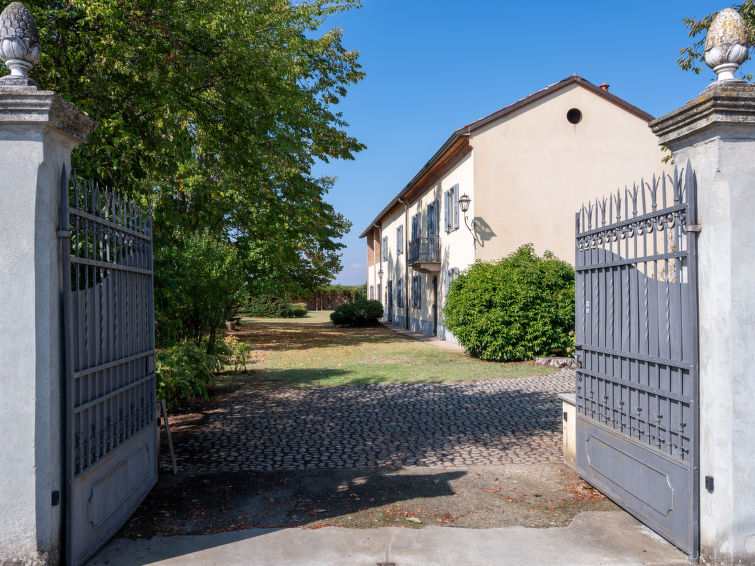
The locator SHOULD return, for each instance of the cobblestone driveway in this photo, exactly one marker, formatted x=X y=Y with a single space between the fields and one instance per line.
x=484 y=422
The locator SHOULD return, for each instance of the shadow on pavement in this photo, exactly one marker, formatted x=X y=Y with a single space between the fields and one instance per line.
x=215 y=502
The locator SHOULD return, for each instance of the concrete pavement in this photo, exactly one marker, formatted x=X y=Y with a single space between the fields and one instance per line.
x=606 y=538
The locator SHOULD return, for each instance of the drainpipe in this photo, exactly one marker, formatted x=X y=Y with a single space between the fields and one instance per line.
x=406 y=263
x=380 y=265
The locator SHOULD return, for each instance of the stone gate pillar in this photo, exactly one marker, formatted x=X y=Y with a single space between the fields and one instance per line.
x=716 y=133
x=38 y=131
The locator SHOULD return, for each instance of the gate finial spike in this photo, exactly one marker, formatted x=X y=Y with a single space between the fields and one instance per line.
x=618 y=205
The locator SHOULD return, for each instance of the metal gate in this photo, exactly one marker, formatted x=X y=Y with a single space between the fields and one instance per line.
x=637 y=353
x=111 y=434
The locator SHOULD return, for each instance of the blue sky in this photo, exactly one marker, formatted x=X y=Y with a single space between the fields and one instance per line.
x=433 y=66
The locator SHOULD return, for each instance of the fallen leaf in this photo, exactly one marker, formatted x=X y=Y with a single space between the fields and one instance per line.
x=414 y=520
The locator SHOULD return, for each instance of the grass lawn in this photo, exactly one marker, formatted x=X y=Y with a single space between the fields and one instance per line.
x=311 y=351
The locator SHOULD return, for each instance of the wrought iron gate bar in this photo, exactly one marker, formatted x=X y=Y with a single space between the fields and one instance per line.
x=631 y=261
x=110 y=388
x=635 y=221
x=102 y=222
x=629 y=384
x=105 y=397
x=633 y=356
x=637 y=352
x=109 y=365
x=108 y=266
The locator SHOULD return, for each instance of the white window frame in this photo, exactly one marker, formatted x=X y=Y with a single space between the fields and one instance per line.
x=385 y=248
x=400 y=239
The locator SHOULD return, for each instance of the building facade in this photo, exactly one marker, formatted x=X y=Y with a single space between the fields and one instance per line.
x=523 y=172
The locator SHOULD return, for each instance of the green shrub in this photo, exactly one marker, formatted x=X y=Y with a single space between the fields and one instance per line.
x=298 y=310
x=184 y=371
x=267 y=306
x=239 y=353
x=358 y=313
x=517 y=309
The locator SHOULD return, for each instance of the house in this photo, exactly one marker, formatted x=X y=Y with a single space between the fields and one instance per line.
x=521 y=172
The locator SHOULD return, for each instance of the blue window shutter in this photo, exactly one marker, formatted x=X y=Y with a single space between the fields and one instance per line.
x=447 y=210
x=456 y=206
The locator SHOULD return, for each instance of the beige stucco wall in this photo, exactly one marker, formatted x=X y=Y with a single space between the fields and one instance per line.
x=457 y=250
x=533 y=169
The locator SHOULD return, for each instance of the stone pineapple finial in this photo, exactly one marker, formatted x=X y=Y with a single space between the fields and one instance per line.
x=727 y=44
x=19 y=44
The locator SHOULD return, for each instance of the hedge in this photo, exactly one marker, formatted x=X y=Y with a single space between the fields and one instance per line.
x=516 y=309
x=358 y=313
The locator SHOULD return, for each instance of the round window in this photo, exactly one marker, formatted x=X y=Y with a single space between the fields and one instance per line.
x=574 y=116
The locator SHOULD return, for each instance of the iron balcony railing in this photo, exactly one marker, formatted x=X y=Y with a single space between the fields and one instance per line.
x=424 y=250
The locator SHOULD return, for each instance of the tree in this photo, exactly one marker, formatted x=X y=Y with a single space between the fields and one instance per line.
x=217 y=110
x=693 y=55
x=199 y=285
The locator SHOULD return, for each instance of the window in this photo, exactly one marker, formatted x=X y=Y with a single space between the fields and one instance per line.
x=452 y=208
x=574 y=116
x=415 y=226
x=432 y=219
x=451 y=276
x=400 y=293
x=400 y=240
x=385 y=248
x=416 y=291
x=372 y=292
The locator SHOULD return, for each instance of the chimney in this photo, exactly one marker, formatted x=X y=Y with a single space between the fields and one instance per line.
x=605 y=86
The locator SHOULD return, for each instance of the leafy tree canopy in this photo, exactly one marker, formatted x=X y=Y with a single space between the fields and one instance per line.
x=217 y=110
x=691 y=58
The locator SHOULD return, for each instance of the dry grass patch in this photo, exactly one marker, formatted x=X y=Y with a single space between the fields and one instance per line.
x=312 y=352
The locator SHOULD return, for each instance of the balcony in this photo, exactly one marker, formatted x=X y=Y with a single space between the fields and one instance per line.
x=424 y=254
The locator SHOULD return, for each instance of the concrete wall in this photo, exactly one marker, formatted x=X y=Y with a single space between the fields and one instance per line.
x=38 y=131
x=533 y=169
x=30 y=452
x=724 y=165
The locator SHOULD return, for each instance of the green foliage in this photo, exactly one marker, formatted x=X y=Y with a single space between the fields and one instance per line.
x=349 y=292
x=267 y=306
x=184 y=371
x=237 y=353
x=217 y=110
x=199 y=284
x=516 y=309
x=358 y=313
x=298 y=310
x=692 y=56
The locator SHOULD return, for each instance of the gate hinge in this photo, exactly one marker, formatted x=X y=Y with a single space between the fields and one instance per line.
x=693 y=227
x=64 y=233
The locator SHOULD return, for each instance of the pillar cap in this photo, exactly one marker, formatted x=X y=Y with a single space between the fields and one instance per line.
x=723 y=102
x=32 y=106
